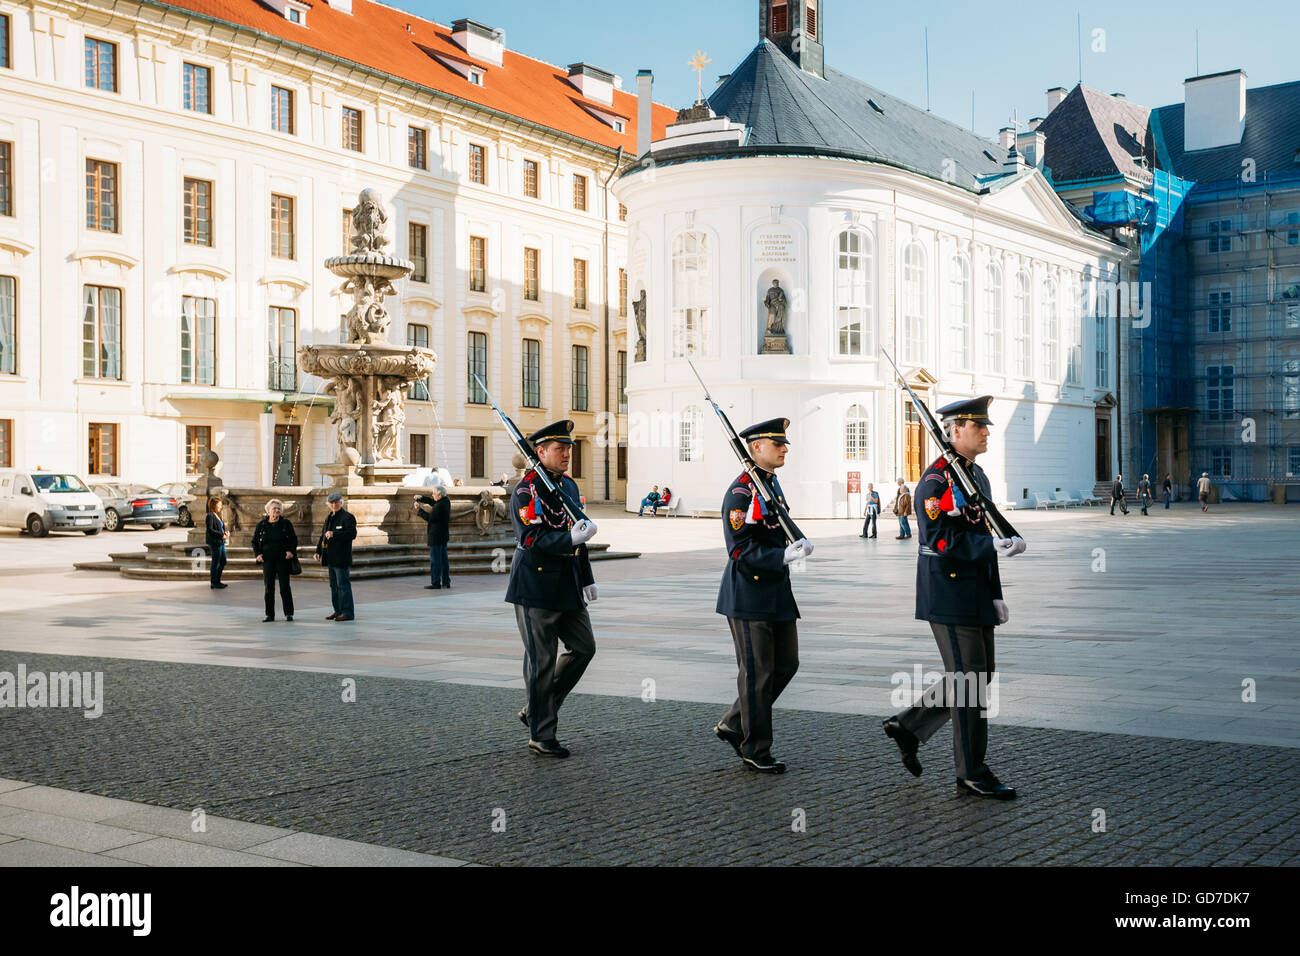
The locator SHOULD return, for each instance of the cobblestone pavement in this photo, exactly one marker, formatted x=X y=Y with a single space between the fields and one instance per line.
x=430 y=766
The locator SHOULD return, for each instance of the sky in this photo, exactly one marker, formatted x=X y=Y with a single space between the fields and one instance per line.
x=1008 y=57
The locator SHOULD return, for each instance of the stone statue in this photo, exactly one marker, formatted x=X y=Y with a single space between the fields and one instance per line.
x=388 y=421
x=347 y=411
x=775 y=302
x=368 y=219
x=638 y=313
x=367 y=320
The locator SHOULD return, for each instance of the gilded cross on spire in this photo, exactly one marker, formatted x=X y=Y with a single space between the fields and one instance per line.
x=697 y=63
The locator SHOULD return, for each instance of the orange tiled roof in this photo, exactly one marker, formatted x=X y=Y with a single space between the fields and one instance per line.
x=376 y=36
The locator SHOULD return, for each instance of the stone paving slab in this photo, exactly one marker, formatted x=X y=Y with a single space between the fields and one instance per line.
x=164 y=851
x=34 y=853
x=65 y=832
x=313 y=850
x=430 y=768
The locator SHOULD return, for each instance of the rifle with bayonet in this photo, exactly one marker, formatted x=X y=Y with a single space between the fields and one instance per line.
x=998 y=526
x=770 y=502
x=530 y=456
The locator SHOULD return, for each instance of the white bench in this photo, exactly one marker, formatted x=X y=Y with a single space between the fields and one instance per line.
x=1065 y=499
x=670 y=509
x=1088 y=498
x=1043 y=501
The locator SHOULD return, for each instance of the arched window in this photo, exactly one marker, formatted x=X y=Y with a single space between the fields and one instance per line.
x=692 y=295
x=993 y=318
x=959 y=312
x=1051 y=343
x=854 y=268
x=856 y=426
x=690 y=445
x=915 y=306
x=1022 y=324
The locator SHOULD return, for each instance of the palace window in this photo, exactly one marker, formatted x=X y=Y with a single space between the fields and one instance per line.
x=101 y=65
x=281 y=345
x=197 y=229
x=855 y=433
x=960 y=324
x=692 y=294
x=101 y=195
x=1220 y=392
x=418 y=335
x=532 y=374
x=532 y=258
x=196 y=88
x=101 y=332
x=282 y=110
x=1022 y=324
x=417 y=151
x=417 y=249
x=915 y=303
x=477 y=367
x=282 y=226
x=477 y=264
x=1051 y=343
x=580 y=378
x=198 y=340
x=854 y=265
x=993 y=360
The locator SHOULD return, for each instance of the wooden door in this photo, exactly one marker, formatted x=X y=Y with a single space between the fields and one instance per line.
x=1103 y=472
x=913 y=444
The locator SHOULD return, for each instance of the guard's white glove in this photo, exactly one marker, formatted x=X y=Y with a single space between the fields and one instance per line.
x=1001 y=610
x=589 y=593
x=582 y=532
x=1009 y=547
x=798 y=550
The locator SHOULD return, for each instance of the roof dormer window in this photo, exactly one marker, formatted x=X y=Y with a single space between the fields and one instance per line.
x=291 y=10
x=476 y=77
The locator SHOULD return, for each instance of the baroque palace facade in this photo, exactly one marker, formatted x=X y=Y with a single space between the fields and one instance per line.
x=173 y=176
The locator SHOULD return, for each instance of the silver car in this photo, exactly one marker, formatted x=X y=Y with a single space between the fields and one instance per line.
x=135 y=504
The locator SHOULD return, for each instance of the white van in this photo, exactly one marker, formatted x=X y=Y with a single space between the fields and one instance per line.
x=45 y=501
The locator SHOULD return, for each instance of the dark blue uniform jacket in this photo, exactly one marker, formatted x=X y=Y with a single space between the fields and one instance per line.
x=547 y=571
x=756 y=581
x=957 y=569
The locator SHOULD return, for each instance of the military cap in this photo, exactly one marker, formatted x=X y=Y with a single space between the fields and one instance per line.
x=556 y=431
x=968 y=410
x=773 y=429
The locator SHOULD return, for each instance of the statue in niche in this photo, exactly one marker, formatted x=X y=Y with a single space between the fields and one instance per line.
x=347 y=411
x=638 y=313
x=775 y=303
x=388 y=421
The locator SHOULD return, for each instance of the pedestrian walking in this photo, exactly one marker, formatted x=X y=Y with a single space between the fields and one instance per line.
x=1203 y=490
x=959 y=592
x=216 y=536
x=1117 y=495
x=1144 y=494
x=275 y=545
x=1168 y=488
x=334 y=550
x=436 y=511
x=550 y=586
x=870 y=512
x=756 y=598
x=903 y=508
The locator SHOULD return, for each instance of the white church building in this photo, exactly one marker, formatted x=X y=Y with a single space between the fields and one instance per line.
x=884 y=227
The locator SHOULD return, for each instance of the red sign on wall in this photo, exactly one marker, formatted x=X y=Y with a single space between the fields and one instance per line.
x=855 y=482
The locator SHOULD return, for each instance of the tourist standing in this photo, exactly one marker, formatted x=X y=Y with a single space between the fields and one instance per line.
x=436 y=511
x=274 y=544
x=216 y=536
x=870 y=512
x=903 y=508
x=1203 y=490
x=334 y=550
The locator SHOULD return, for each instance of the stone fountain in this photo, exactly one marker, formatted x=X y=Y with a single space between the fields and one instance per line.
x=367 y=376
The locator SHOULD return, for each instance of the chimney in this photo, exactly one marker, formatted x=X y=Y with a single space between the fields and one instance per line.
x=480 y=42
x=722 y=78
x=1006 y=137
x=1012 y=164
x=1034 y=121
x=644 y=110
x=592 y=82
x=1054 y=97
x=342 y=6
x=1119 y=96
x=1214 y=110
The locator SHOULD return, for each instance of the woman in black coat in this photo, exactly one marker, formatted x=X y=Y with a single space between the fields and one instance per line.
x=216 y=536
x=274 y=543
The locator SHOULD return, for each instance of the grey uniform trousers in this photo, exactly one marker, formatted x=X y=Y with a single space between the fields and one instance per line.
x=767 y=656
x=965 y=650
x=548 y=679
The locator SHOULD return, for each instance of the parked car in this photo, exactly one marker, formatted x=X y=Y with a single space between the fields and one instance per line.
x=41 y=502
x=135 y=504
x=180 y=490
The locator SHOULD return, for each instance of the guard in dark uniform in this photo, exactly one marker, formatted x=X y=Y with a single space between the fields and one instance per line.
x=959 y=592
x=757 y=600
x=550 y=586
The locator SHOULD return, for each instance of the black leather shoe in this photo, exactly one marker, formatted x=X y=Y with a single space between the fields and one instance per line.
x=289 y=617
x=217 y=586
x=523 y=716
x=548 y=748
x=265 y=619
x=907 y=744
x=732 y=737
x=991 y=789
x=764 y=765
x=431 y=587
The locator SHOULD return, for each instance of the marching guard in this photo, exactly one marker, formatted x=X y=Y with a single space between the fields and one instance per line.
x=757 y=599
x=550 y=586
x=959 y=592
